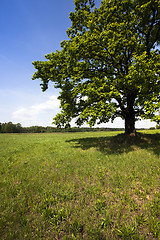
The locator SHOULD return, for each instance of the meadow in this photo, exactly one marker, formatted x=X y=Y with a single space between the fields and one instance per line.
x=96 y=185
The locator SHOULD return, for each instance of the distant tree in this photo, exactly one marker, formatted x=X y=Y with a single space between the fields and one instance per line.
x=110 y=66
x=36 y=129
x=18 y=128
x=9 y=127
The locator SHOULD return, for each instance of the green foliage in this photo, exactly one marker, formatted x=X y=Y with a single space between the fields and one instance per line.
x=157 y=126
x=10 y=127
x=110 y=65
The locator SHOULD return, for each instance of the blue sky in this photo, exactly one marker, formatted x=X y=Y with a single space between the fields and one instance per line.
x=29 y=30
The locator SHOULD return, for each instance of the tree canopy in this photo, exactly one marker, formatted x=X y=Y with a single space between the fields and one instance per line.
x=110 y=65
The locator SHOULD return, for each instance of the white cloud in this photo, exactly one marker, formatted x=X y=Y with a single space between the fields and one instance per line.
x=23 y=113
x=145 y=124
x=51 y=104
x=37 y=114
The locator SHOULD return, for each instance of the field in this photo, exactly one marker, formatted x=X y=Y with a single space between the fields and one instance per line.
x=96 y=185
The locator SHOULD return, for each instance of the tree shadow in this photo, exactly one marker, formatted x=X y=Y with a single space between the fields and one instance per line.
x=120 y=143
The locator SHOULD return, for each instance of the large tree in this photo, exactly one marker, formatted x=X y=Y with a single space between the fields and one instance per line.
x=110 y=65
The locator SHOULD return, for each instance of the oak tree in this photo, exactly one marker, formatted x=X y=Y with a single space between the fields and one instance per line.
x=110 y=65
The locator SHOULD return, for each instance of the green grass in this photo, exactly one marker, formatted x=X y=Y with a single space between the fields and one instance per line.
x=99 y=185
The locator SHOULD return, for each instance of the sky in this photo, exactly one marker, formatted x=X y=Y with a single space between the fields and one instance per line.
x=30 y=29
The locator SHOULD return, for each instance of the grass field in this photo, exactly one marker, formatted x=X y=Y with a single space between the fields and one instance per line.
x=96 y=185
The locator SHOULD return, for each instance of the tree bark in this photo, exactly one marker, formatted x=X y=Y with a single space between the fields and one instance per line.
x=129 y=114
x=130 y=123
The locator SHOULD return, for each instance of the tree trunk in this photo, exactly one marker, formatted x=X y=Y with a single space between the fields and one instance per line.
x=129 y=114
x=130 y=123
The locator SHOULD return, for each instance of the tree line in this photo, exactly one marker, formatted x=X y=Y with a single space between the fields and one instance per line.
x=17 y=128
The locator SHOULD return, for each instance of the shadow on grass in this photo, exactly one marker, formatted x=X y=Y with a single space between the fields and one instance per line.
x=120 y=143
